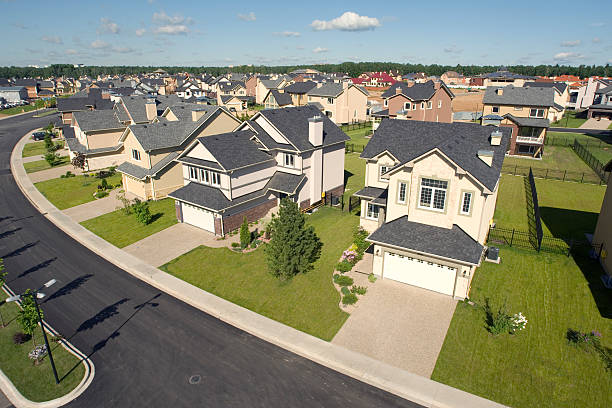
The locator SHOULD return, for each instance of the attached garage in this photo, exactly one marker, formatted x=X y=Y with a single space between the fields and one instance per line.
x=198 y=217
x=418 y=272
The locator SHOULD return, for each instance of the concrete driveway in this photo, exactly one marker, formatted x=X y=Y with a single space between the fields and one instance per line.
x=396 y=323
x=593 y=123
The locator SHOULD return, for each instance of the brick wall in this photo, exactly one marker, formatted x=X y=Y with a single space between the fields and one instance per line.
x=233 y=222
x=512 y=148
x=304 y=204
x=336 y=192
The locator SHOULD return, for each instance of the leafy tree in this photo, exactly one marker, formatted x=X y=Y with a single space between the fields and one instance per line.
x=245 y=235
x=3 y=275
x=28 y=317
x=142 y=211
x=294 y=247
x=78 y=161
x=52 y=158
x=48 y=142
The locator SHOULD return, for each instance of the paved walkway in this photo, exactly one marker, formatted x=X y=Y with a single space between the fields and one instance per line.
x=592 y=123
x=52 y=173
x=60 y=152
x=165 y=245
x=398 y=324
x=96 y=208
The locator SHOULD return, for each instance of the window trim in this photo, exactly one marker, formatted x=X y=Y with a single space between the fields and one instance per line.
x=461 y=198
x=493 y=109
x=367 y=216
x=536 y=112
x=289 y=157
x=193 y=171
x=429 y=105
x=422 y=105
x=397 y=196
x=407 y=106
x=136 y=155
x=380 y=172
x=431 y=208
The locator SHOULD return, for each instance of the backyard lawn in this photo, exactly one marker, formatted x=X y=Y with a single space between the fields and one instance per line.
x=38 y=165
x=35 y=382
x=358 y=136
x=68 y=192
x=37 y=148
x=567 y=139
x=122 y=230
x=535 y=367
x=554 y=158
x=308 y=302
x=354 y=174
x=569 y=120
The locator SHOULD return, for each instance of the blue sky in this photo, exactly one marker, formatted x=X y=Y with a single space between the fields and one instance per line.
x=195 y=33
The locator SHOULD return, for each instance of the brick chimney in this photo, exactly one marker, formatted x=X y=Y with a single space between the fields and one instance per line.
x=151 y=109
x=315 y=131
x=398 y=90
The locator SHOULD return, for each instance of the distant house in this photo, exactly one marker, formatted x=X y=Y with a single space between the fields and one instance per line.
x=429 y=101
x=503 y=77
x=341 y=102
x=298 y=92
x=87 y=100
x=428 y=201
x=14 y=93
x=277 y=99
x=561 y=90
x=603 y=230
x=602 y=106
x=188 y=89
x=265 y=85
x=587 y=93
x=454 y=78
x=30 y=84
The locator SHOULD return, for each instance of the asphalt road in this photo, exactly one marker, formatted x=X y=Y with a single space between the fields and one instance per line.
x=145 y=344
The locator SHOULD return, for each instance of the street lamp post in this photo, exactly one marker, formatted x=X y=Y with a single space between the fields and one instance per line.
x=35 y=296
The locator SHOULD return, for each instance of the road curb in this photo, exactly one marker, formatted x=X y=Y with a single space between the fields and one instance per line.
x=19 y=401
x=381 y=375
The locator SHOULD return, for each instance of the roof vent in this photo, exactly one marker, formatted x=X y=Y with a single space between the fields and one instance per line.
x=496 y=137
x=486 y=156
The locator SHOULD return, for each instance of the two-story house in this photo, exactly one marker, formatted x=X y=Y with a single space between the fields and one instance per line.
x=277 y=99
x=150 y=171
x=429 y=101
x=527 y=110
x=342 y=102
x=429 y=198
x=602 y=106
x=603 y=230
x=289 y=152
x=561 y=91
x=298 y=92
x=264 y=85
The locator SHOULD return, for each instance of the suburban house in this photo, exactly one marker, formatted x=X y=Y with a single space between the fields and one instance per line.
x=277 y=99
x=150 y=171
x=429 y=198
x=188 y=89
x=587 y=93
x=341 y=102
x=13 y=93
x=528 y=110
x=90 y=100
x=429 y=101
x=602 y=106
x=561 y=90
x=265 y=85
x=298 y=92
x=503 y=77
x=454 y=78
x=31 y=85
x=289 y=152
x=603 y=229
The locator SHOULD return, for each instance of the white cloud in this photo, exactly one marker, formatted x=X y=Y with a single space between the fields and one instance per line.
x=348 y=21
x=71 y=51
x=596 y=40
x=52 y=39
x=108 y=26
x=140 y=32
x=99 y=45
x=573 y=43
x=288 y=34
x=319 y=50
x=171 y=29
x=247 y=17
x=597 y=24
x=568 y=56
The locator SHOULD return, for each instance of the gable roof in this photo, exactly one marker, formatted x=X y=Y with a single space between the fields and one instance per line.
x=409 y=139
x=299 y=88
x=329 y=89
x=519 y=96
x=98 y=120
x=416 y=92
x=559 y=86
x=282 y=99
x=234 y=150
x=272 y=83
x=292 y=123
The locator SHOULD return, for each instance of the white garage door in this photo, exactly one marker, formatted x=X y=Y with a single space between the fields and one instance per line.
x=417 y=272
x=198 y=217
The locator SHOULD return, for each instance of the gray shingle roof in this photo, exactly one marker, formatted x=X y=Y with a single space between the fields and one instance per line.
x=293 y=125
x=98 y=120
x=451 y=243
x=532 y=122
x=518 y=96
x=234 y=150
x=200 y=162
x=184 y=111
x=266 y=139
x=370 y=192
x=212 y=198
x=559 y=86
x=135 y=106
x=282 y=99
x=299 y=87
x=328 y=89
x=601 y=106
x=416 y=92
x=141 y=173
x=272 y=83
x=408 y=139
x=604 y=90
x=285 y=182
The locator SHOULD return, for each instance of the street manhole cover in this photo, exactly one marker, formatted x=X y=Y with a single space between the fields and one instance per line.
x=195 y=379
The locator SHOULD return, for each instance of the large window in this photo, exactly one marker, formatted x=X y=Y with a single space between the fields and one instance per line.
x=288 y=160
x=373 y=211
x=433 y=194
x=193 y=173
x=402 y=188
x=209 y=177
x=536 y=113
x=135 y=154
x=330 y=101
x=466 y=203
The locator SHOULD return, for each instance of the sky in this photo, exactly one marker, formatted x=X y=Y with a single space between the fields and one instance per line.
x=222 y=33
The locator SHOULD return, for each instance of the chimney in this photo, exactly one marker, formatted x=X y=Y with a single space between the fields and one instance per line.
x=319 y=84
x=315 y=131
x=486 y=156
x=436 y=84
x=499 y=91
x=197 y=113
x=496 y=137
x=398 y=90
x=151 y=109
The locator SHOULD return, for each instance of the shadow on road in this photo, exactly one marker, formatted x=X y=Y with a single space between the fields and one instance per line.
x=69 y=287
x=9 y=232
x=35 y=268
x=19 y=251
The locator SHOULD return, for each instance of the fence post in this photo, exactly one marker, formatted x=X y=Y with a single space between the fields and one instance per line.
x=512 y=238
x=515 y=166
x=564 y=173
x=582 y=179
x=546 y=177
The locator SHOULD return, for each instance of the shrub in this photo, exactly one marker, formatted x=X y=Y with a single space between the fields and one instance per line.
x=344 y=266
x=52 y=158
x=48 y=142
x=497 y=322
x=245 y=235
x=104 y=184
x=20 y=338
x=343 y=280
x=359 y=238
x=235 y=244
x=345 y=291
x=349 y=299
x=372 y=278
x=255 y=243
x=359 y=290
x=591 y=342
x=142 y=211
x=127 y=204
x=349 y=256
x=101 y=194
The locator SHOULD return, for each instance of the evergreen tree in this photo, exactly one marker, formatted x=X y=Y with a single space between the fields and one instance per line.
x=245 y=235
x=294 y=247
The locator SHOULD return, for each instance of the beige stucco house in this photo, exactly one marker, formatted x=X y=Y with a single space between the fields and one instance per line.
x=603 y=230
x=289 y=152
x=149 y=170
x=429 y=198
x=265 y=85
x=341 y=102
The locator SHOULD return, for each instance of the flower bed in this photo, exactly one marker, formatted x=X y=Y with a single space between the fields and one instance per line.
x=347 y=261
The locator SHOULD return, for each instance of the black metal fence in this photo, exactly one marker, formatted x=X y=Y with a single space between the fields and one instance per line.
x=568 y=141
x=354 y=148
x=554 y=174
x=533 y=192
x=525 y=240
x=348 y=204
x=593 y=162
x=355 y=126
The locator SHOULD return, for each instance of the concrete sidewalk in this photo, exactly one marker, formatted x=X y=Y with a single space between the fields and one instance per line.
x=392 y=379
x=95 y=208
x=593 y=123
x=61 y=153
x=54 y=172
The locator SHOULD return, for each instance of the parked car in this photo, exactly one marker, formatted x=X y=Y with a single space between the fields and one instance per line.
x=38 y=135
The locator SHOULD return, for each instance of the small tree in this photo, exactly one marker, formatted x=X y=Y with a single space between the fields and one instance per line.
x=142 y=211
x=52 y=158
x=28 y=317
x=245 y=235
x=48 y=142
x=3 y=274
x=78 y=161
x=294 y=247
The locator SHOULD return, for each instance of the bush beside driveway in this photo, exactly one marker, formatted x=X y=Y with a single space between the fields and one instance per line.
x=308 y=302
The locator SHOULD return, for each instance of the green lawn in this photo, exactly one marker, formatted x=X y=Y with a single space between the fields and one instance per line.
x=47 y=113
x=535 y=367
x=354 y=174
x=122 y=230
x=68 y=192
x=38 y=165
x=308 y=302
x=17 y=109
x=554 y=158
x=567 y=139
x=603 y=154
x=37 y=148
x=35 y=382
x=358 y=136
x=566 y=209
x=569 y=120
